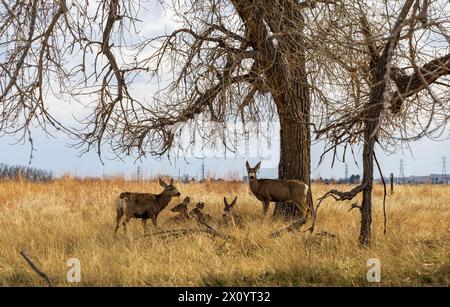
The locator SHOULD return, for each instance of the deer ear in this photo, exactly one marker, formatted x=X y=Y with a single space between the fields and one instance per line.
x=247 y=165
x=162 y=183
x=225 y=202
x=234 y=201
x=171 y=181
x=258 y=166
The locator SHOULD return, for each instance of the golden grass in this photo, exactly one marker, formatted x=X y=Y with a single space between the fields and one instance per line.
x=72 y=218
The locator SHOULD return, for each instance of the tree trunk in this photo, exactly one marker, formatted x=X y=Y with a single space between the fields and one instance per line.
x=366 y=206
x=376 y=97
x=295 y=140
x=289 y=86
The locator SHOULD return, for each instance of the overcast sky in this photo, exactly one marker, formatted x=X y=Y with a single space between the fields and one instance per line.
x=56 y=155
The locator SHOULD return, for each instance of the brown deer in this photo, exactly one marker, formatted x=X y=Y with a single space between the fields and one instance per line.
x=143 y=205
x=229 y=215
x=199 y=216
x=182 y=215
x=271 y=190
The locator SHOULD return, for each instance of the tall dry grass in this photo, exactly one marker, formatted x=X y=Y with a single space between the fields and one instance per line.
x=71 y=218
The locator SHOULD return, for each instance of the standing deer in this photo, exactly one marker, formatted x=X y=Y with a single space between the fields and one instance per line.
x=181 y=208
x=271 y=190
x=229 y=215
x=143 y=205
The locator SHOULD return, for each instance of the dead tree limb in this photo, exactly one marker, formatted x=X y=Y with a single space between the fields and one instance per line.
x=294 y=226
x=384 y=194
x=35 y=268
x=208 y=229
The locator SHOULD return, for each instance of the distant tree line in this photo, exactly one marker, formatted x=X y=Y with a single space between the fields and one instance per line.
x=25 y=172
x=353 y=179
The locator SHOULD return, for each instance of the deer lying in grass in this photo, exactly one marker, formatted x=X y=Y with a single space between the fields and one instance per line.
x=199 y=216
x=143 y=205
x=229 y=215
x=270 y=190
x=182 y=215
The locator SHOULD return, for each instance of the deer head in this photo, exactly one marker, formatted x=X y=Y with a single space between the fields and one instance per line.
x=197 y=210
x=251 y=171
x=169 y=189
x=228 y=207
x=182 y=207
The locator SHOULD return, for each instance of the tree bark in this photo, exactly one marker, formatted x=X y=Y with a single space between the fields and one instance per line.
x=283 y=65
x=373 y=119
x=366 y=206
x=295 y=140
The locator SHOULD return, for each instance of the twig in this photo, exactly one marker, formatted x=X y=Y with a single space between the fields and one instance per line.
x=294 y=226
x=314 y=212
x=326 y=234
x=173 y=232
x=211 y=230
x=354 y=205
x=204 y=228
x=384 y=195
x=35 y=268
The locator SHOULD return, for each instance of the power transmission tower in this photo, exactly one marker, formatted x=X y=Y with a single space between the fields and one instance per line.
x=444 y=169
x=401 y=174
x=346 y=172
x=202 y=167
x=139 y=173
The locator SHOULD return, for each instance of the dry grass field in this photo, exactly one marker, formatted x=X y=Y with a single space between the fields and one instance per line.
x=71 y=218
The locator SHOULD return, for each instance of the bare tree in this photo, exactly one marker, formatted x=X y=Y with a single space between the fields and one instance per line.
x=235 y=60
x=230 y=60
x=16 y=172
x=390 y=73
x=71 y=49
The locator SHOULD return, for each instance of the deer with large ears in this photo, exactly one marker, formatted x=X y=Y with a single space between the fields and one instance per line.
x=198 y=214
x=229 y=215
x=144 y=205
x=272 y=190
x=182 y=211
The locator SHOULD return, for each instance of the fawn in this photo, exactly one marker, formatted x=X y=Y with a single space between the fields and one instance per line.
x=182 y=215
x=229 y=215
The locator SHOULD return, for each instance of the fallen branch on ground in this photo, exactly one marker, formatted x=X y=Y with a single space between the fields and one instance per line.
x=174 y=232
x=35 y=268
x=208 y=229
x=203 y=228
x=294 y=226
x=326 y=234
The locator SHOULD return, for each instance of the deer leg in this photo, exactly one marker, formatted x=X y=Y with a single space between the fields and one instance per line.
x=118 y=218
x=154 y=220
x=144 y=224
x=265 y=206
x=127 y=219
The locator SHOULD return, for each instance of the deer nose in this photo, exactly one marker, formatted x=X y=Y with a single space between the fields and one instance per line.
x=251 y=177
x=178 y=194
